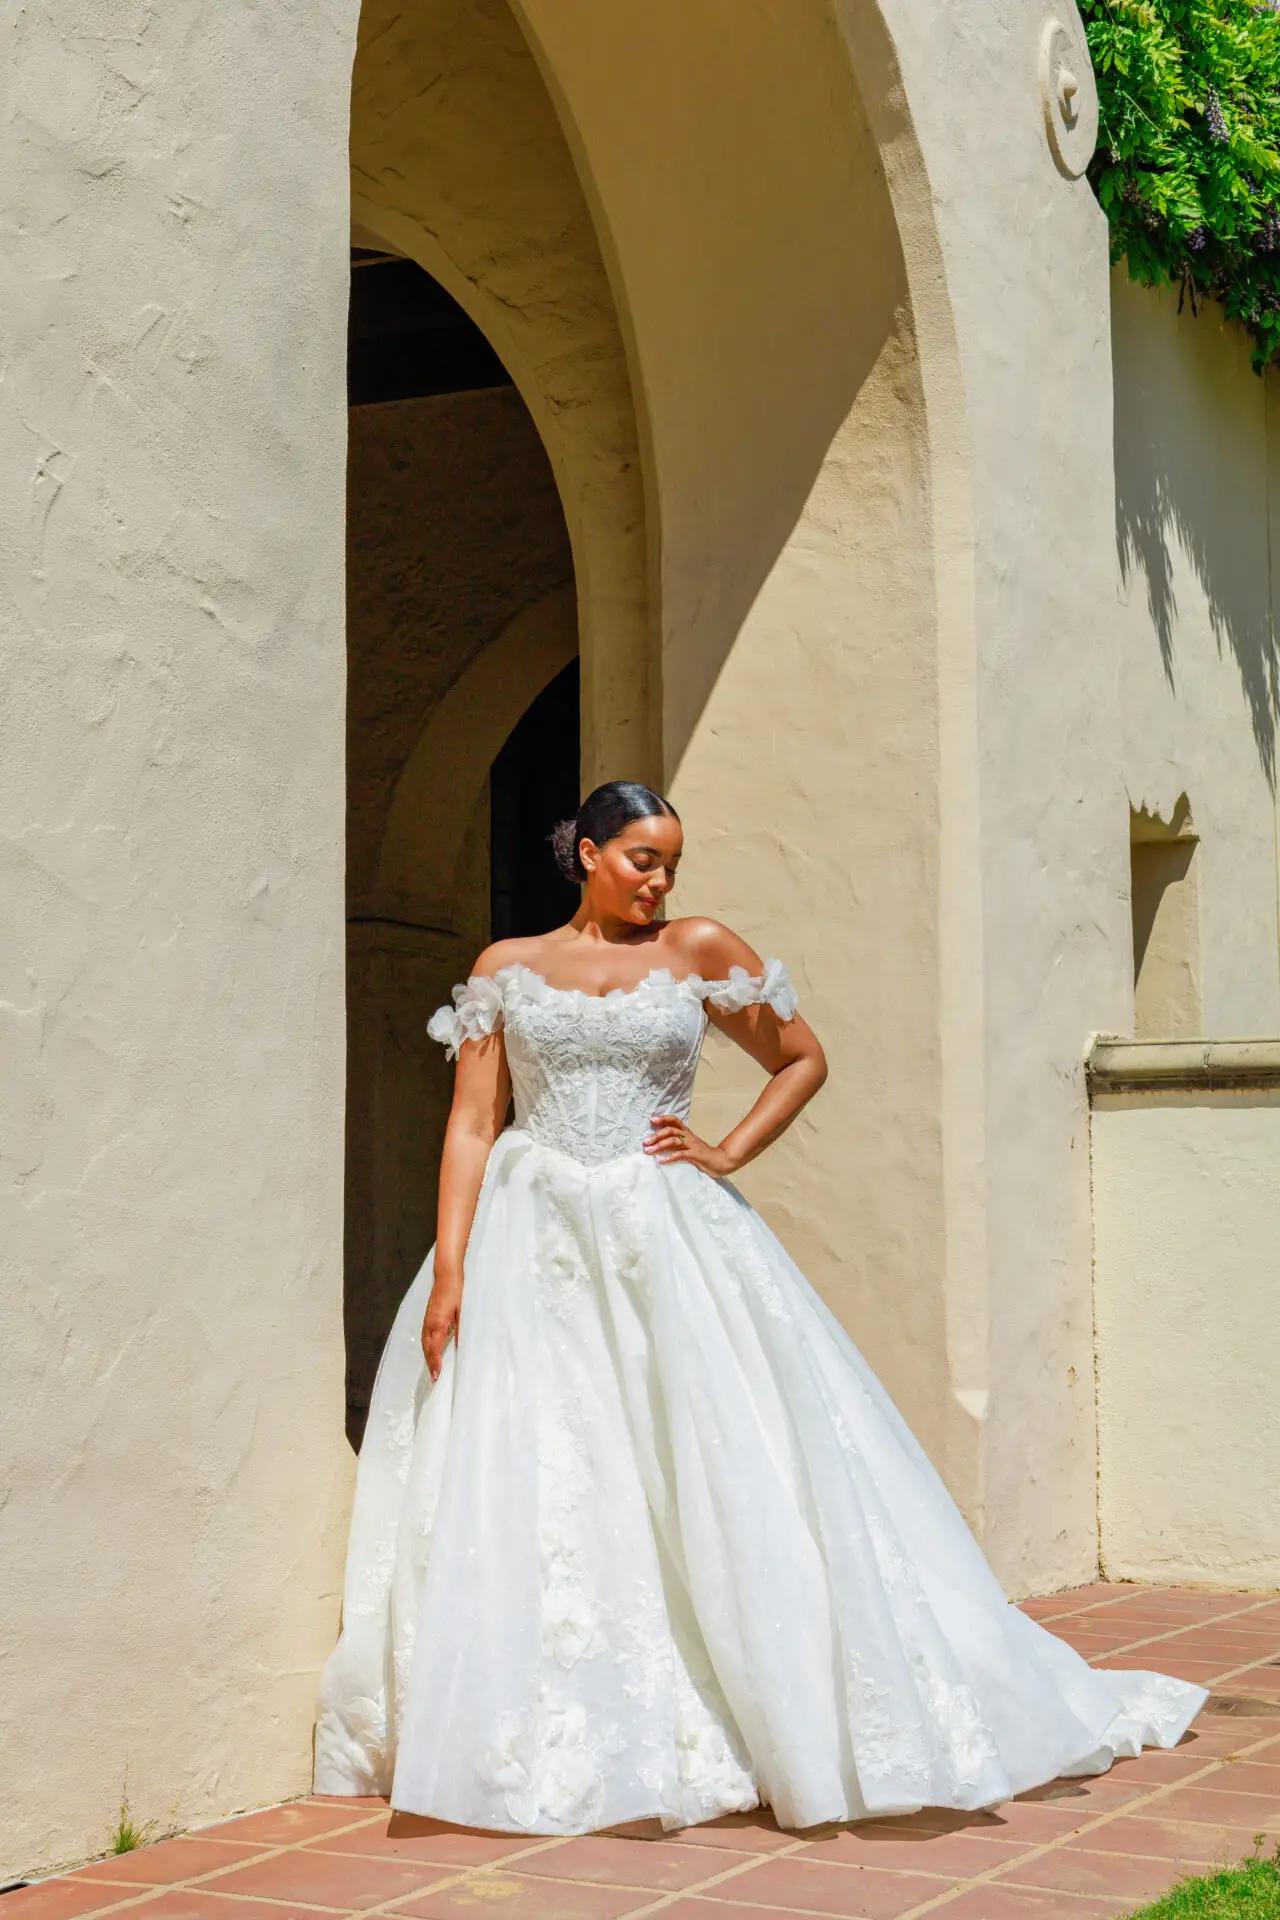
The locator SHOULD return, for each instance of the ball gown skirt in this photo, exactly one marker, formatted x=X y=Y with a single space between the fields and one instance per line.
x=657 y=1543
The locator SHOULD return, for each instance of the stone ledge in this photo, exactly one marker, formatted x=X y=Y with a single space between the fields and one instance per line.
x=1113 y=1065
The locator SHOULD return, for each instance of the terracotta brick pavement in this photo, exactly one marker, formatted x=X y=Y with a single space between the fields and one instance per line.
x=1067 y=1851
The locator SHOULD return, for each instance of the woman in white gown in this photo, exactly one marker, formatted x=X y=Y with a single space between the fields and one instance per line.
x=637 y=1531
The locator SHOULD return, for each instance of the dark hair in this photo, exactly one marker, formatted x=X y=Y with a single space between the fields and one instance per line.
x=605 y=812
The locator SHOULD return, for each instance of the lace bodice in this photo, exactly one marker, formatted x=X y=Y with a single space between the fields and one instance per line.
x=588 y=1071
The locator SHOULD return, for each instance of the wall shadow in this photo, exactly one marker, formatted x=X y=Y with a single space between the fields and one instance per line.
x=1191 y=490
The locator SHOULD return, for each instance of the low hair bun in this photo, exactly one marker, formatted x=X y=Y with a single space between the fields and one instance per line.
x=564 y=847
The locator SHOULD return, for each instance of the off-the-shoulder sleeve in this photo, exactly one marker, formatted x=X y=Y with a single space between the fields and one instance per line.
x=773 y=985
x=476 y=1010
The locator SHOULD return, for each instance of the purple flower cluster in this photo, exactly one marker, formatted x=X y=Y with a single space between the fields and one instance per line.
x=1269 y=231
x=1132 y=196
x=1197 y=237
x=1213 y=117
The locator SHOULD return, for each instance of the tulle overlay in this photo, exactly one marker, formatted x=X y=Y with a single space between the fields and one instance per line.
x=657 y=1542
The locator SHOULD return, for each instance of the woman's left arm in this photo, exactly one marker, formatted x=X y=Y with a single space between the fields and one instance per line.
x=788 y=1050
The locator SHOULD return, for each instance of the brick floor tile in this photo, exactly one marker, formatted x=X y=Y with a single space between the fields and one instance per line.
x=631 y=1863
x=1205 y=1600
x=1247 y=1776
x=1040 y=1821
x=1216 y=1801
x=1264 y=1680
x=1228 y=1630
x=739 y=1832
x=1099 y=1792
x=868 y=1893
x=344 y=1881
x=64 y=1898
x=927 y=1820
x=1181 y=1843
x=1157 y=1766
x=1079 y=1870
x=284 y=1826
x=1023 y=1820
x=696 y=1906
x=1149 y=1623
x=167 y=1862
x=953 y=1856
x=517 y=1898
x=407 y=1837
x=991 y=1901
x=194 y=1903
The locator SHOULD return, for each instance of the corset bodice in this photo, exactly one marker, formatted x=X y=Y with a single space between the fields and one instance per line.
x=588 y=1071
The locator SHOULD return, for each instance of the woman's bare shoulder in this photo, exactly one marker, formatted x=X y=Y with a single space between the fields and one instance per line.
x=709 y=947
x=505 y=953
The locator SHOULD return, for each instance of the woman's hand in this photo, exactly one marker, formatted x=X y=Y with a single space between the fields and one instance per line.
x=670 y=1138
x=440 y=1322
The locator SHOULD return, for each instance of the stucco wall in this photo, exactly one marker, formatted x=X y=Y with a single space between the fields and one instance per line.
x=761 y=290
x=1187 y=1209
x=1198 y=684
x=1185 y=1184
x=175 y=1476
x=883 y=500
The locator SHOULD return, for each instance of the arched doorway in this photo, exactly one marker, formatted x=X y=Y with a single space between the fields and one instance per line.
x=462 y=742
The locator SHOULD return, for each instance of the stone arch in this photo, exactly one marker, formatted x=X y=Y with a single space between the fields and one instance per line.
x=442 y=780
x=780 y=287
x=458 y=162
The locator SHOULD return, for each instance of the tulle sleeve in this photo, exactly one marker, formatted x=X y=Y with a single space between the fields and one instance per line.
x=476 y=1010
x=773 y=986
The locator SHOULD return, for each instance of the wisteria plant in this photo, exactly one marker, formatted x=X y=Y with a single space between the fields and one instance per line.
x=1188 y=161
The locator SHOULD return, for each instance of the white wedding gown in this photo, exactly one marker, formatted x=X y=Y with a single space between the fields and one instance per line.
x=656 y=1542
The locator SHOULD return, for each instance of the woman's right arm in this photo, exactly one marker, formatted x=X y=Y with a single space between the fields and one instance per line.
x=481 y=1091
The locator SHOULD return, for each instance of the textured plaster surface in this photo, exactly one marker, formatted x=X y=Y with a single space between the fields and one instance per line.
x=1187 y=1205
x=883 y=539
x=1197 y=474
x=893 y=711
x=782 y=412
x=172 y=420
x=1026 y=270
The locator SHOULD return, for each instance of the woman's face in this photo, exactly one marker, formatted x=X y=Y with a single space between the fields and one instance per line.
x=632 y=873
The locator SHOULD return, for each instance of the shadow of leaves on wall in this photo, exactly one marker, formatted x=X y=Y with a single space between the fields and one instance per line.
x=1191 y=475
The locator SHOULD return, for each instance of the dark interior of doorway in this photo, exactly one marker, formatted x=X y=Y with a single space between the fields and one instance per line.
x=406 y=336
x=408 y=342
x=533 y=783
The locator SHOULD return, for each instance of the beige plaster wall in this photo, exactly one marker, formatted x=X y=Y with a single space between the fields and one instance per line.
x=883 y=540
x=174 y=1473
x=1197 y=671
x=761 y=287
x=1025 y=255
x=1187 y=1212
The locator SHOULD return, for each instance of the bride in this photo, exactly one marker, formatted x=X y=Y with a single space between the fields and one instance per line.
x=637 y=1531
